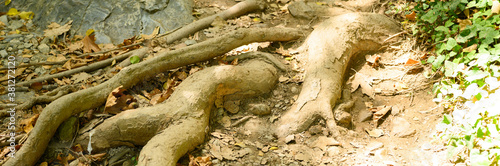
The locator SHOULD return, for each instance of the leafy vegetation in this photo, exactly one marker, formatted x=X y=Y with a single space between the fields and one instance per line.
x=464 y=36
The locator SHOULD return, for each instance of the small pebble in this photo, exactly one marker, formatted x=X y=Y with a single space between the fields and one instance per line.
x=44 y=48
x=3 y=53
x=190 y=42
x=5 y=20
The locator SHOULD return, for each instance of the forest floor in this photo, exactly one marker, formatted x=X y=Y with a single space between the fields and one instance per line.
x=403 y=136
x=392 y=122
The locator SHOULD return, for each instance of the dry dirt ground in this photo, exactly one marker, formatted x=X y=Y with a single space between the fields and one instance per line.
x=391 y=122
x=403 y=136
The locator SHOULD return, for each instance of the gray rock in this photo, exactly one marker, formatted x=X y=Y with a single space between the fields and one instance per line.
x=259 y=109
x=14 y=24
x=3 y=46
x=3 y=53
x=29 y=24
x=301 y=9
x=40 y=70
x=14 y=42
x=364 y=115
x=27 y=45
x=44 y=48
x=232 y=106
x=190 y=42
x=26 y=60
x=5 y=20
x=343 y=118
x=112 y=20
x=10 y=49
x=401 y=128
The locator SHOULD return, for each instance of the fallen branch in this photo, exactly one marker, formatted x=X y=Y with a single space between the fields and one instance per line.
x=91 y=67
x=329 y=49
x=235 y=11
x=61 y=109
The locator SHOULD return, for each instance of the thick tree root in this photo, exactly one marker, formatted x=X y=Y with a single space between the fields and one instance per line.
x=328 y=49
x=61 y=109
x=180 y=124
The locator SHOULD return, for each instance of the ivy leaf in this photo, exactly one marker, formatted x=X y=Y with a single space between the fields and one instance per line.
x=450 y=44
x=135 y=59
x=443 y=29
x=475 y=75
x=430 y=16
x=450 y=69
x=446 y=119
x=438 y=62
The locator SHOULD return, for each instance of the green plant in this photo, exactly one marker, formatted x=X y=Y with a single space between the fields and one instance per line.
x=465 y=38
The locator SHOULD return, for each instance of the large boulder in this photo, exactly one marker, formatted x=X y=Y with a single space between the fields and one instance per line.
x=112 y=20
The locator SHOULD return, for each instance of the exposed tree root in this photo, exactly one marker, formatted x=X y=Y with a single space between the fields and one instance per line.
x=91 y=67
x=61 y=109
x=328 y=49
x=172 y=128
x=235 y=11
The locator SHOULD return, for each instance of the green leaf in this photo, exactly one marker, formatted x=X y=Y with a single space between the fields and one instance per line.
x=135 y=59
x=446 y=119
x=442 y=28
x=450 y=69
x=438 y=62
x=430 y=16
x=475 y=74
x=450 y=43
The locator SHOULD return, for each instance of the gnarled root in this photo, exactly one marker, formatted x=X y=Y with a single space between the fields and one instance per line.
x=182 y=121
x=61 y=109
x=328 y=49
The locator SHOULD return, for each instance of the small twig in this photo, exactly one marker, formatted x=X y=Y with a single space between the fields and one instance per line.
x=91 y=67
x=238 y=122
x=6 y=142
x=48 y=97
x=393 y=36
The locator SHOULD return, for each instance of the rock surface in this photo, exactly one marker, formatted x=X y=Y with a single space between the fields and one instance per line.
x=112 y=20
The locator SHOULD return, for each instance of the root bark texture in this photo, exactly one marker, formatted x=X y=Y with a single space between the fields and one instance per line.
x=170 y=129
x=61 y=109
x=328 y=49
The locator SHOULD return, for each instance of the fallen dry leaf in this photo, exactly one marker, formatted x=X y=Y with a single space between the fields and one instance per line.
x=75 y=46
x=322 y=142
x=158 y=98
x=375 y=133
x=470 y=48
x=411 y=62
x=358 y=80
x=118 y=102
x=411 y=16
x=155 y=32
x=373 y=60
x=200 y=161
x=27 y=124
x=89 y=44
x=380 y=112
x=56 y=29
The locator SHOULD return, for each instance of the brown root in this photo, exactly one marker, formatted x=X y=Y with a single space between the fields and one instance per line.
x=61 y=109
x=181 y=121
x=328 y=49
